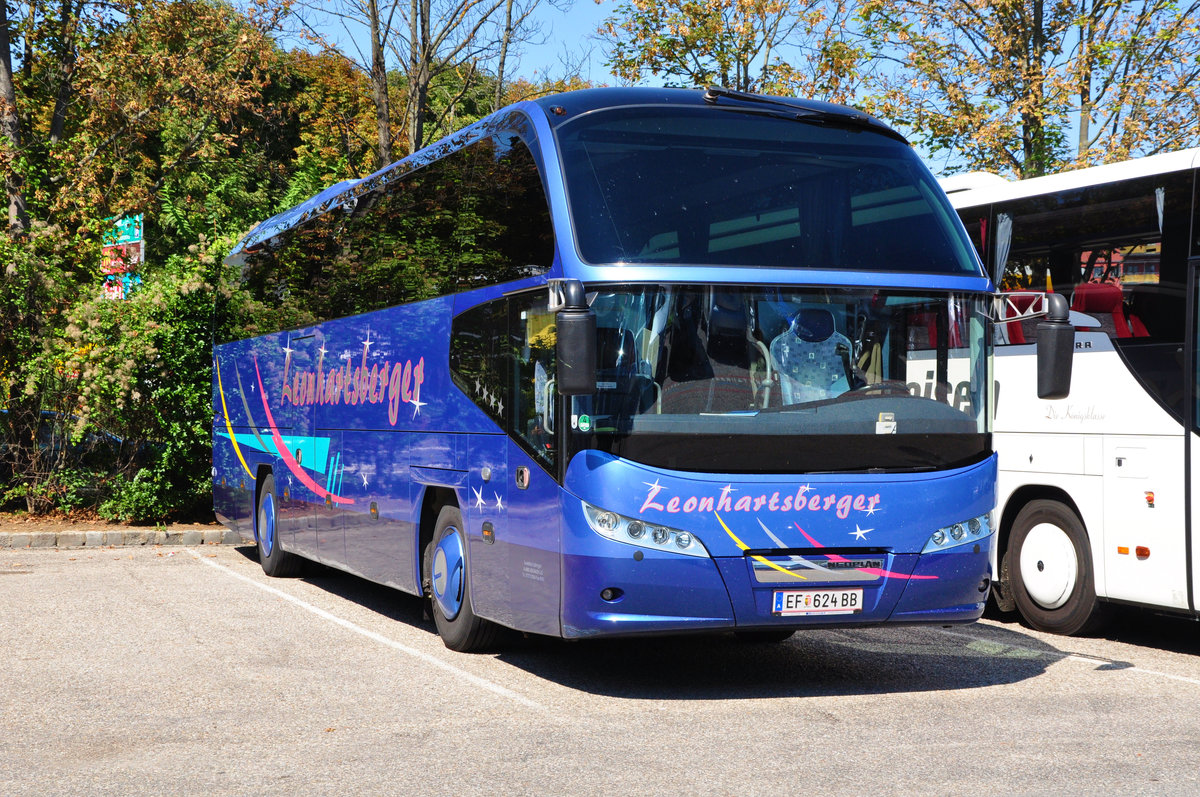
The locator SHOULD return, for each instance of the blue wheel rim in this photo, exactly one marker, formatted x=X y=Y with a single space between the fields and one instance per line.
x=448 y=569
x=266 y=524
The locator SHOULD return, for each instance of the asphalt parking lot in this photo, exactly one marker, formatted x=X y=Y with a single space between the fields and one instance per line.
x=157 y=670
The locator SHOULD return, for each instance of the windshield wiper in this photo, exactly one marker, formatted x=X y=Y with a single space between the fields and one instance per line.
x=836 y=116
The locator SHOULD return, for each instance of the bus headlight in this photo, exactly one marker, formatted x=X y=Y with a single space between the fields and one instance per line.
x=631 y=531
x=956 y=534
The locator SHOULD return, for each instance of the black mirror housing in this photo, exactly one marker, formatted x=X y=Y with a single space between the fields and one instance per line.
x=1055 y=349
x=576 y=328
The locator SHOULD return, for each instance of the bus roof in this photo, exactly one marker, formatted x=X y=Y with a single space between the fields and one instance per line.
x=981 y=192
x=557 y=108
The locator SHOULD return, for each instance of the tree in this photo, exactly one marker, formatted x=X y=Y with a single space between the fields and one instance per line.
x=175 y=110
x=770 y=46
x=430 y=43
x=999 y=84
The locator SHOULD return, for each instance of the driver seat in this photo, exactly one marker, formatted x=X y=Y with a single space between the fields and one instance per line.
x=811 y=357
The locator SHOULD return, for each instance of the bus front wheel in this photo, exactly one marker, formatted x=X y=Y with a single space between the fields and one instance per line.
x=450 y=587
x=274 y=560
x=1050 y=563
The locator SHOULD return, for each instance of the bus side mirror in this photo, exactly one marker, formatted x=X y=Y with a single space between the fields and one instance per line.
x=1055 y=349
x=576 y=327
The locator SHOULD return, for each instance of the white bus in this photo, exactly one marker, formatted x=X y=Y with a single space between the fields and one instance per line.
x=1099 y=493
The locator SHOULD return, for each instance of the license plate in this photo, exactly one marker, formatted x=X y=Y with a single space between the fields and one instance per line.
x=818 y=601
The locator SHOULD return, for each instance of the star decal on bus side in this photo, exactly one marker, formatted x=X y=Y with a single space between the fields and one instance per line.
x=499 y=503
x=479 y=502
x=860 y=533
x=417 y=405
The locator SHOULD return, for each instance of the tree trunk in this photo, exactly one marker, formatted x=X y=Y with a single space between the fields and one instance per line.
x=379 y=88
x=69 y=26
x=1033 y=125
x=10 y=131
x=419 y=56
x=508 y=9
x=1086 y=35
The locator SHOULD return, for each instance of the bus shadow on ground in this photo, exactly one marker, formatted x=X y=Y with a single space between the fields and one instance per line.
x=817 y=661
x=383 y=600
x=1130 y=625
x=813 y=662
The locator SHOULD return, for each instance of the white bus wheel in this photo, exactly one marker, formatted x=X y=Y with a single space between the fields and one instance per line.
x=1050 y=564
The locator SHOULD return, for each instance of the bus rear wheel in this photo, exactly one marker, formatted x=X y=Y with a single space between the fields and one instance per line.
x=450 y=587
x=274 y=560
x=1050 y=564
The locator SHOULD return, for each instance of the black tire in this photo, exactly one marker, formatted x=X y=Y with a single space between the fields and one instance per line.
x=275 y=561
x=764 y=636
x=450 y=587
x=1050 y=565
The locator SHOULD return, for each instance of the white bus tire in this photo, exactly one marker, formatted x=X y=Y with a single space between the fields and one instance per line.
x=1050 y=564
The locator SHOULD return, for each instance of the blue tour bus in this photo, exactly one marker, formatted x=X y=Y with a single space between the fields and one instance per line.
x=624 y=361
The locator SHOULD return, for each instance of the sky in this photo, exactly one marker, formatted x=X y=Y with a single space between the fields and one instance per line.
x=569 y=37
x=569 y=34
x=573 y=32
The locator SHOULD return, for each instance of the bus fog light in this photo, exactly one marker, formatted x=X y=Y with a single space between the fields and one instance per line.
x=974 y=525
x=939 y=537
x=683 y=539
x=607 y=521
x=956 y=531
x=660 y=535
x=611 y=594
x=636 y=529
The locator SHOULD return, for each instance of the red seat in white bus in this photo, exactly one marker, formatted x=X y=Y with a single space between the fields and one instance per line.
x=1104 y=299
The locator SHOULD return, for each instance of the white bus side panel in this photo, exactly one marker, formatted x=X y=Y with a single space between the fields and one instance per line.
x=1115 y=451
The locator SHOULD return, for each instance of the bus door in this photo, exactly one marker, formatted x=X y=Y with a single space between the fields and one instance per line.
x=1193 y=402
x=1144 y=540
x=534 y=531
x=534 y=539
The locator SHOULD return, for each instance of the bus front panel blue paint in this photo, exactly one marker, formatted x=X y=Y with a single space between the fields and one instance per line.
x=860 y=535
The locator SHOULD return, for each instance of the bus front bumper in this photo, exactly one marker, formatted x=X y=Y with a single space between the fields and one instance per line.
x=620 y=595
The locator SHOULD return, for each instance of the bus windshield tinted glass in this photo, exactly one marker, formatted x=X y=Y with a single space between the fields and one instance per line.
x=787 y=380
x=711 y=186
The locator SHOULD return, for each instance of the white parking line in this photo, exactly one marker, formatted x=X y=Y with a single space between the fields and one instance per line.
x=381 y=639
x=1031 y=652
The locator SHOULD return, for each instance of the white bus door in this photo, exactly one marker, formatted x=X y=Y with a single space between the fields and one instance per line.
x=1193 y=381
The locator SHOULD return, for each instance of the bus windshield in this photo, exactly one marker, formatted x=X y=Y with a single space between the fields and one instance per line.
x=726 y=187
x=787 y=380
